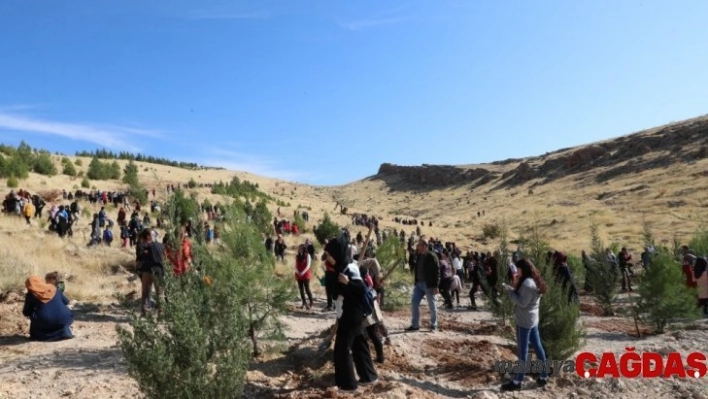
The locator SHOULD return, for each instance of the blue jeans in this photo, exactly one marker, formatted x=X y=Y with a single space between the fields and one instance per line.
x=523 y=337
x=419 y=291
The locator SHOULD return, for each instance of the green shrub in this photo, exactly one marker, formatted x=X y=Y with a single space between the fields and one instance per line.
x=98 y=170
x=43 y=164
x=491 y=231
x=558 y=318
x=85 y=183
x=602 y=275
x=69 y=169
x=299 y=221
x=201 y=343
x=12 y=182
x=391 y=253
x=78 y=162
x=130 y=174
x=502 y=307
x=663 y=295
x=192 y=183
x=326 y=229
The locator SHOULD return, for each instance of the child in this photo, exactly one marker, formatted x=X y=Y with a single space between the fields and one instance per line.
x=455 y=288
x=108 y=236
x=53 y=279
x=124 y=234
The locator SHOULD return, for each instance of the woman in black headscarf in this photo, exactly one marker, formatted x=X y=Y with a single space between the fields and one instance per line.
x=351 y=350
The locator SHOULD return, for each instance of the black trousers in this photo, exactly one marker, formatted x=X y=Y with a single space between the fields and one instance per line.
x=372 y=332
x=330 y=279
x=352 y=351
x=304 y=286
x=476 y=284
x=444 y=288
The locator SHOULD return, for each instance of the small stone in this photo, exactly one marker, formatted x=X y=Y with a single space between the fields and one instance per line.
x=485 y=395
x=666 y=350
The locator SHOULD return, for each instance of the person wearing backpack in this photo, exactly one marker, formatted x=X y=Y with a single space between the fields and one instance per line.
x=124 y=234
x=350 y=347
x=102 y=217
x=108 y=236
x=150 y=262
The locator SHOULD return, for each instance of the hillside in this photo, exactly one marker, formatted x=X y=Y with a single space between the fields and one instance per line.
x=657 y=176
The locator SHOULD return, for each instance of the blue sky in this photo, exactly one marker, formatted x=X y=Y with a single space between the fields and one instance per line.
x=323 y=92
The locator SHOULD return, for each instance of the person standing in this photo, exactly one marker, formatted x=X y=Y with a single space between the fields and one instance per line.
x=426 y=271
x=330 y=278
x=303 y=274
x=351 y=350
x=526 y=296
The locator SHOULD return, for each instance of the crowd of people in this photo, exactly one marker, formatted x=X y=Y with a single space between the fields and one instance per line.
x=353 y=279
x=441 y=268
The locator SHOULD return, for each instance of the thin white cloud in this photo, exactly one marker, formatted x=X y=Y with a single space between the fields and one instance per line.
x=370 y=23
x=240 y=161
x=201 y=15
x=390 y=17
x=18 y=107
x=109 y=136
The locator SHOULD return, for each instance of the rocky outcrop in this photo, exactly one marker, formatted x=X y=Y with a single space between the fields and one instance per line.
x=522 y=173
x=680 y=142
x=432 y=175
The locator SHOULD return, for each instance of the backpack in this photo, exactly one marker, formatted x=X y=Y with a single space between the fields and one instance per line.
x=153 y=261
x=107 y=236
x=74 y=207
x=368 y=301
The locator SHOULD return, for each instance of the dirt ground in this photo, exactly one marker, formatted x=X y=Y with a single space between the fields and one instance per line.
x=455 y=362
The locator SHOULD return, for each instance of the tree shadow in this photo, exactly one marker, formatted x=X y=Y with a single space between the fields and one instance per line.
x=91 y=312
x=611 y=336
x=432 y=387
x=73 y=359
x=13 y=340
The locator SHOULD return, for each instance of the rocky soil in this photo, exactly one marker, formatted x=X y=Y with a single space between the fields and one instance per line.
x=452 y=363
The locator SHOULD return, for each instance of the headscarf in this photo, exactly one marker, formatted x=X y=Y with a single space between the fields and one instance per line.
x=559 y=258
x=338 y=248
x=39 y=289
x=352 y=271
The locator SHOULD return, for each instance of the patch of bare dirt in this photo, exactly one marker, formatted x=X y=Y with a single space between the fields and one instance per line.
x=621 y=326
x=591 y=308
x=467 y=362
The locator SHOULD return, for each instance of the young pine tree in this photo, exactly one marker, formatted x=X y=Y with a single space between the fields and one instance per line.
x=203 y=339
x=664 y=297
x=558 y=318
x=391 y=257
x=602 y=275
x=502 y=307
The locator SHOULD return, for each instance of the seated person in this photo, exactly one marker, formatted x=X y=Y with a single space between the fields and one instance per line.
x=46 y=307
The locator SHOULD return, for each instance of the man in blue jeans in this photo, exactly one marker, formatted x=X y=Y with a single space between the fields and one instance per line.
x=426 y=270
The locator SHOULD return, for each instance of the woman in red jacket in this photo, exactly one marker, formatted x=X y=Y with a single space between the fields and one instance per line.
x=180 y=255
x=303 y=274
